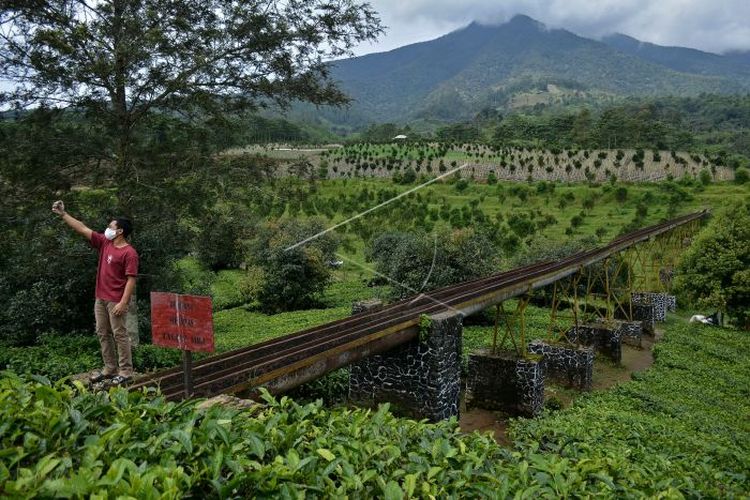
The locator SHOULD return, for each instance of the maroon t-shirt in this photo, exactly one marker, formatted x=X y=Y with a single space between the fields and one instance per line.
x=115 y=265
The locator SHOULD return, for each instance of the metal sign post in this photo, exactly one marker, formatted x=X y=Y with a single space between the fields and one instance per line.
x=187 y=372
x=183 y=322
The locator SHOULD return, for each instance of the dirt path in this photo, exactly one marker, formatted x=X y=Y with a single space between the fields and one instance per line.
x=606 y=375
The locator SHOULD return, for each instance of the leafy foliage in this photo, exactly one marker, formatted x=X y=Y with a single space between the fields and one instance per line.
x=49 y=280
x=121 y=61
x=715 y=271
x=542 y=249
x=672 y=432
x=57 y=356
x=296 y=271
x=225 y=231
x=420 y=262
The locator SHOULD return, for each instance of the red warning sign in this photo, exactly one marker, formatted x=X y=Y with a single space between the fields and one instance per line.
x=182 y=321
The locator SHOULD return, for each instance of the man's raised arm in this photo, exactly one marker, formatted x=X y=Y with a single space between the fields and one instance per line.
x=79 y=227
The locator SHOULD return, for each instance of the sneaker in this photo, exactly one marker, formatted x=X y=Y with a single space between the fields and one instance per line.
x=100 y=377
x=121 y=380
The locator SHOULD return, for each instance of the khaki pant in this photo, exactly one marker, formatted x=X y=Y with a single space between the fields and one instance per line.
x=131 y=322
x=113 y=334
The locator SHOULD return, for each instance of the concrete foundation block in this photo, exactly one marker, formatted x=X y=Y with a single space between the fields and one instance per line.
x=606 y=339
x=671 y=303
x=632 y=332
x=569 y=365
x=643 y=313
x=505 y=382
x=364 y=306
x=662 y=303
x=421 y=378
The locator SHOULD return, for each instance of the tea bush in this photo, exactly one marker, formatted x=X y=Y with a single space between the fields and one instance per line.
x=58 y=356
x=677 y=430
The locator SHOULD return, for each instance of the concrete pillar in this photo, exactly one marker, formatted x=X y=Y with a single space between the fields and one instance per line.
x=662 y=303
x=572 y=366
x=632 y=332
x=421 y=378
x=505 y=382
x=645 y=314
x=604 y=338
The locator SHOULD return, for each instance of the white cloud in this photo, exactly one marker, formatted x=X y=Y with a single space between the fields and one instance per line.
x=710 y=25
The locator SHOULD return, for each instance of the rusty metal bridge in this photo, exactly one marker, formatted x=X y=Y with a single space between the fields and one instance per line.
x=285 y=362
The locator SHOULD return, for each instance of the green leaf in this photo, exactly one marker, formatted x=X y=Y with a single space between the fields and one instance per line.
x=410 y=484
x=393 y=491
x=46 y=465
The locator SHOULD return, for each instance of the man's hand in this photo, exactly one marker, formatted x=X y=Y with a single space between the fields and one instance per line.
x=79 y=227
x=58 y=207
x=120 y=309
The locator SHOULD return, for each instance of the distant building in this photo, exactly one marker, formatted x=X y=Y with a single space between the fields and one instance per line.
x=400 y=137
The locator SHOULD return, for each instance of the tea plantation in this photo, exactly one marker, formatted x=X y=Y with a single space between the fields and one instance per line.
x=681 y=429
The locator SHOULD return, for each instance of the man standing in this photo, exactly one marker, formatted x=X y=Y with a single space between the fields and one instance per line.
x=115 y=284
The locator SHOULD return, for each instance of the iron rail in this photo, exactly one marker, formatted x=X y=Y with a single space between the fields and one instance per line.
x=285 y=362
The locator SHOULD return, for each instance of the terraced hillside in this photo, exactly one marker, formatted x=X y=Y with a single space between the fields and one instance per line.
x=636 y=165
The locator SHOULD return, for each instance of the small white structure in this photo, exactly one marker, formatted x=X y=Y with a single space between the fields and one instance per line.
x=699 y=318
x=400 y=137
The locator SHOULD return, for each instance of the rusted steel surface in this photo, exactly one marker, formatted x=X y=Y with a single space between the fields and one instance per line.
x=286 y=362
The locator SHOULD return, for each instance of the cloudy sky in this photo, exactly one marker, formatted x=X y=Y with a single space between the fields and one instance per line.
x=710 y=25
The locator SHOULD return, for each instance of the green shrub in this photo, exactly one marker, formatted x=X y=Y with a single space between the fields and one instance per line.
x=295 y=273
x=674 y=432
x=418 y=262
x=705 y=177
x=522 y=224
x=224 y=232
x=54 y=357
x=715 y=271
x=232 y=288
x=409 y=176
x=332 y=388
x=58 y=356
x=48 y=278
x=542 y=248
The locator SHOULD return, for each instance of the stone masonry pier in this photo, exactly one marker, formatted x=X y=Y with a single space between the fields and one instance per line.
x=505 y=382
x=421 y=378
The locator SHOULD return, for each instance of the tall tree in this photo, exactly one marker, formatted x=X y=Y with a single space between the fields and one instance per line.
x=123 y=59
x=715 y=271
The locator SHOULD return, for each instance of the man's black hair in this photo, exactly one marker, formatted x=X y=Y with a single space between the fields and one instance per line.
x=125 y=224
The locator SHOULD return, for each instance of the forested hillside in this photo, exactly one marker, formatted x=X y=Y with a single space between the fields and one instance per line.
x=517 y=63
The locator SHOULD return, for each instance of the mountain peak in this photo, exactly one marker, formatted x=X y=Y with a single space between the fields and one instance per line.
x=485 y=64
x=523 y=19
x=519 y=21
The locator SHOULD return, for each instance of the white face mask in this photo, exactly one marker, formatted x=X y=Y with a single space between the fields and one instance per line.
x=110 y=233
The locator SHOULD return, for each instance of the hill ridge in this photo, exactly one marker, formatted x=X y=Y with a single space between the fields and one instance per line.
x=483 y=65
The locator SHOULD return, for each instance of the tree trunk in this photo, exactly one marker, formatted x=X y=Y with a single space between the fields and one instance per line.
x=120 y=106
